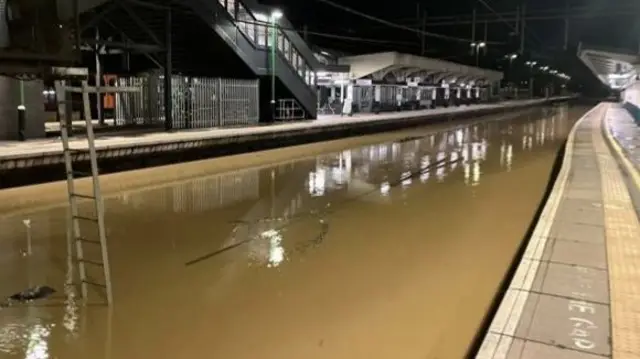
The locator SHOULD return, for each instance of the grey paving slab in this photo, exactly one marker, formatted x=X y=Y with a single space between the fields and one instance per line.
x=581 y=211
x=572 y=282
x=521 y=349
x=579 y=253
x=576 y=193
x=569 y=323
x=576 y=229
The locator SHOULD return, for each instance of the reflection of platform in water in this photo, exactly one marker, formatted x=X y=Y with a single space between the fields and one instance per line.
x=367 y=192
x=199 y=195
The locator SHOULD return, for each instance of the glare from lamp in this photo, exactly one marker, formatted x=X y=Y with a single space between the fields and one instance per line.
x=276 y=15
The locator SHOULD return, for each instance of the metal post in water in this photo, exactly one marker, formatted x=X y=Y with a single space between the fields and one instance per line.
x=27 y=224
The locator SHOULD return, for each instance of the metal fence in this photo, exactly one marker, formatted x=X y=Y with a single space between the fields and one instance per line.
x=214 y=102
x=197 y=102
x=139 y=108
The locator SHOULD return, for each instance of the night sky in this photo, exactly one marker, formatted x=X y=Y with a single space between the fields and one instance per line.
x=617 y=25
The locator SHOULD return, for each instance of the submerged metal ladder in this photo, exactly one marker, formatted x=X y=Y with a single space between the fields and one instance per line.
x=97 y=220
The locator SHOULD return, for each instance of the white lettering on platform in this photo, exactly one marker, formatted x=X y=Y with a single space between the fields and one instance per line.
x=582 y=326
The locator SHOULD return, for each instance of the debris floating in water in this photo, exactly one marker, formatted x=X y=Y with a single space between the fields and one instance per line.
x=28 y=295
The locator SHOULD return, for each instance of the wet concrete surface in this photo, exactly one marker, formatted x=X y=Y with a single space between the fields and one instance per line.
x=389 y=246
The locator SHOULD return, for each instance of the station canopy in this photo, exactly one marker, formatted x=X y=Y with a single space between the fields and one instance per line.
x=616 y=68
x=398 y=67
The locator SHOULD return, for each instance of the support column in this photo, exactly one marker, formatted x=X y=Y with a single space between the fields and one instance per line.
x=168 y=91
x=524 y=28
x=99 y=111
x=566 y=27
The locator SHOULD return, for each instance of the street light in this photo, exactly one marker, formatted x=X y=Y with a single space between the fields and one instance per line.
x=531 y=65
x=273 y=19
x=475 y=47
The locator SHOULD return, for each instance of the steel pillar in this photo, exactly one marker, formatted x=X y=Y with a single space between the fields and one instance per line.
x=168 y=98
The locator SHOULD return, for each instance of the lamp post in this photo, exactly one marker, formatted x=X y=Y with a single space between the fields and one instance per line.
x=532 y=66
x=475 y=47
x=511 y=57
x=273 y=19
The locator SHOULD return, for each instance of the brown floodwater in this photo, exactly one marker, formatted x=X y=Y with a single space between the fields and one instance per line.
x=386 y=246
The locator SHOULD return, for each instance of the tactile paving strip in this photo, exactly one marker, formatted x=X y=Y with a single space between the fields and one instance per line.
x=623 y=249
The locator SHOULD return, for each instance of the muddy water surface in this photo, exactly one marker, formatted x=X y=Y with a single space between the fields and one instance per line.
x=389 y=246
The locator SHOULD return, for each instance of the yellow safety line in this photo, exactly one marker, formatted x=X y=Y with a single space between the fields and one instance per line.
x=628 y=165
x=622 y=230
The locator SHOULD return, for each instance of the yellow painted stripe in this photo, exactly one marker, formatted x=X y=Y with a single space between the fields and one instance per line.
x=623 y=246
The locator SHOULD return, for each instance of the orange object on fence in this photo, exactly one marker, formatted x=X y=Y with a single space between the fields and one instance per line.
x=109 y=99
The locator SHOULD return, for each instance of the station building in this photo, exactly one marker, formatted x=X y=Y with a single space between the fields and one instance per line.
x=227 y=62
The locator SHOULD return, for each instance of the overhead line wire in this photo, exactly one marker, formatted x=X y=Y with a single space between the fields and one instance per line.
x=401 y=27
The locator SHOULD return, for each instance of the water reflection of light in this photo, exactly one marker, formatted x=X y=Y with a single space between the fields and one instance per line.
x=406 y=181
x=30 y=339
x=451 y=139
x=476 y=173
x=276 y=251
x=395 y=151
x=454 y=160
x=478 y=151
x=384 y=188
x=459 y=137
x=338 y=175
x=467 y=172
x=465 y=163
x=483 y=149
x=503 y=153
x=38 y=348
x=317 y=182
x=425 y=162
x=440 y=171
x=382 y=152
x=509 y=156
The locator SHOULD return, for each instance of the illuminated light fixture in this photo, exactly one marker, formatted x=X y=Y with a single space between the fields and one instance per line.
x=513 y=56
x=482 y=44
x=276 y=15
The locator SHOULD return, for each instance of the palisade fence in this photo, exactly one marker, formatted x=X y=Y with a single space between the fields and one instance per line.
x=197 y=102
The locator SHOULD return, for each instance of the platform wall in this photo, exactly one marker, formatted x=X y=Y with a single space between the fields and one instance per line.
x=9 y=102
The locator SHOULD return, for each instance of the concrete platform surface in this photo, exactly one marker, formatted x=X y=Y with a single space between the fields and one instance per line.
x=576 y=291
x=41 y=151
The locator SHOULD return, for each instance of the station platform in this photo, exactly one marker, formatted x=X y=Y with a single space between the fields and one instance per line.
x=217 y=141
x=576 y=292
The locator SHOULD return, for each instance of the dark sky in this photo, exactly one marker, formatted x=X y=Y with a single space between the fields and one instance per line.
x=612 y=23
x=543 y=37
